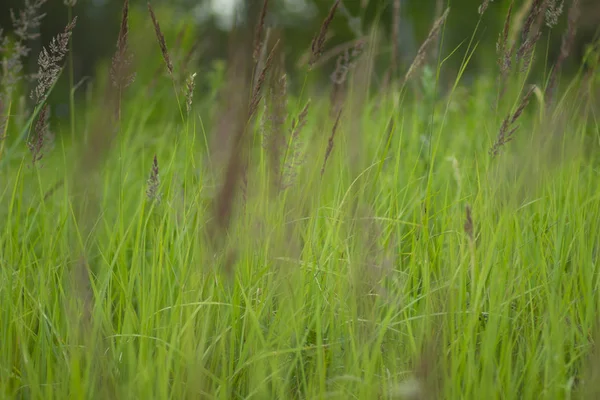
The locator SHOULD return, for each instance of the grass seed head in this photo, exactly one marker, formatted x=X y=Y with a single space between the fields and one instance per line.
x=331 y=141
x=49 y=62
x=161 y=40
x=484 y=6
x=568 y=39
x=256 y=93
x=122 y=59
x=318 y=42
x=431 y=38
x=43 y=138
x=554 y=10
x=152 y=189
x=508 y=129
x=190 y=84
x=258 y=41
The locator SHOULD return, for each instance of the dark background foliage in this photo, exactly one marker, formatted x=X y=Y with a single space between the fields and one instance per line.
x=297 y=21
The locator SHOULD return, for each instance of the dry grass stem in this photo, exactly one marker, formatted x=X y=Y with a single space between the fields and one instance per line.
x=161 y=40
x=330 y=142
x=318 y=42
x=568 y=40
x=422 y=53
x=258 y=41
x=49 y=62
x=508 y=129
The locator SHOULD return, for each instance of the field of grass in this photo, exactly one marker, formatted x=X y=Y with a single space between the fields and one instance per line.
x=368 y=245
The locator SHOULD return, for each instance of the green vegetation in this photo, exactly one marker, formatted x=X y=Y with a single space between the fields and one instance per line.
x=219 y=236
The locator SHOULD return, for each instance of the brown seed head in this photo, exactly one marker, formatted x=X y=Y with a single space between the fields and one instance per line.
x=422 y=53
x=259 y=31
x=330 y=143
x=318 y=42
x=161 y=40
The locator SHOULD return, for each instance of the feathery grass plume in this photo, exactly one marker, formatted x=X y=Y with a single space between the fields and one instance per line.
x=330 y=142
x=318 y=42
x=49 y=62
x=153 y=183
x=258 y=42
x=43 y=138
x=508 y=129
x=161 y=40
x=484 y=6
x=190 y=84
x=293 y=158
x=553 y=11
x=25 y=27
x=27 y=23
x=256 y=93
x=122 y=59
x=70 y=3
x=422 y=53
x=565 y=49
x=502 y=47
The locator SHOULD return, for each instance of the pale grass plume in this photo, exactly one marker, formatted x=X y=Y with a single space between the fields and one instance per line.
x=422 y=53
x=49 y=62
x=554 y=10
x=190 y=85
x=484 y=6
x=161 y=41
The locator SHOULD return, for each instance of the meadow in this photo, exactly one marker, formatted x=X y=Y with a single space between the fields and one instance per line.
x=218 y=235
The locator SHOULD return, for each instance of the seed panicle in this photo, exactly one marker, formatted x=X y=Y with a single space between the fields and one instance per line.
x=422 y=53
x=122 y=59
x=330 y=142
x=318 y=42
x=153 y=183
x=161 y=40
x=508 y=129
x=49 y=62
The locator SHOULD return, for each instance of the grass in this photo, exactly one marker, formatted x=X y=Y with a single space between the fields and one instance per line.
x=364 y=278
